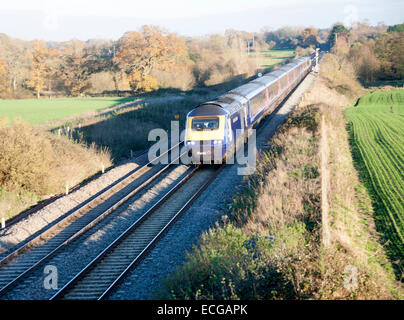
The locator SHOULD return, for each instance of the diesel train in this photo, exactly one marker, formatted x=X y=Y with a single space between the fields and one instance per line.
x=213 y=128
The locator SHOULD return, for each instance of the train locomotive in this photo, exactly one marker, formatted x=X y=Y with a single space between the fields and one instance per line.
x=214 y=128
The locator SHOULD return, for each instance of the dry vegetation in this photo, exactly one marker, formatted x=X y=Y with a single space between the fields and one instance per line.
x=35 y=164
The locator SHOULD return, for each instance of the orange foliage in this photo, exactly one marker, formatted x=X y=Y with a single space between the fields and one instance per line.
x=141 y=52
x=3 y=79
x=39 y=72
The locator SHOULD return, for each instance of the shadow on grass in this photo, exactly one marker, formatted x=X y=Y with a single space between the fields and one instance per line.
x=389 y=238
x=123 y=130
x=393 y=83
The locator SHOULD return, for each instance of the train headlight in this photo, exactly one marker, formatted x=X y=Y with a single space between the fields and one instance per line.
x=190 y=143
x=216 y=142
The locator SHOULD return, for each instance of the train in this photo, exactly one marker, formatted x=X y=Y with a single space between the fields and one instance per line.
x=214 y=128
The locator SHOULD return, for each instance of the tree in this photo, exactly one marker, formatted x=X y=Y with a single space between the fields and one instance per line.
x=339 y=40
x=363 y=57
x=285 y=38
x=309 y=37
x=39 y=55
x=389 y=49
x=396 y=28
x=14 y=53
x=338 y=32
x=141 y=51
x=76 y=67
x=3 y=79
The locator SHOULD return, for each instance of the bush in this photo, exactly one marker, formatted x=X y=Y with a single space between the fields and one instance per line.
x=35 y=163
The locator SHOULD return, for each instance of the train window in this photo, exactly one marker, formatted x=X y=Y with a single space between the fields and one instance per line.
x=273 y=91
x=258 y=103
x=284 y=83
x=200 y=124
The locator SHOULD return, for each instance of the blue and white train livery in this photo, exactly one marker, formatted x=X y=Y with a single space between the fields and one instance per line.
x=211 y=127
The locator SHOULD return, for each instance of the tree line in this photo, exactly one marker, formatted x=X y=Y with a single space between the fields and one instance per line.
x=140 y=61
x=151 y=58
x=375 y=52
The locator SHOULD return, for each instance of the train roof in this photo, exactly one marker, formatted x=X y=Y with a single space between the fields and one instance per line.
x=232 y=101
x=207 y=109
x=249 y=90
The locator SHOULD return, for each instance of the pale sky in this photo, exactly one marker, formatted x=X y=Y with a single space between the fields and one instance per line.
x=63 y=20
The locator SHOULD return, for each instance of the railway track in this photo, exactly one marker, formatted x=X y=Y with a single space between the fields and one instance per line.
x=98 y=279
x=16 y=266
x=12 y=221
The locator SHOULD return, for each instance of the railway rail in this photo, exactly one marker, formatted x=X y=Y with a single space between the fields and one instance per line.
x=12 y=221
x=98 y=279
x=45 y=245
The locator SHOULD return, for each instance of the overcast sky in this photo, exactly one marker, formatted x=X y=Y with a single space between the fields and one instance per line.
x=62 y=20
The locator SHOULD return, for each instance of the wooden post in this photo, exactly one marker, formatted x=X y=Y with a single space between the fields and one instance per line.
x=102 y=168
x=67 y=189
x=3 y=223
x=131 y=153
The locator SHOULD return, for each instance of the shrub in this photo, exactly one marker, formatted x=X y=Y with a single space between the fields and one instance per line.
x=35 y=163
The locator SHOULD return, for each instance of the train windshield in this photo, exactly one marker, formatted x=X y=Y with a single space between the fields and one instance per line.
x=200 y=124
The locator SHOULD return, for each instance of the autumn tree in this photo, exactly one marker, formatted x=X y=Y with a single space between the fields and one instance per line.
x=285 y=38
x=3 y=79
x=76 y=67
x=363 y=31
x=142 y=51
x=339 y=40
x=389 y=48
x=242 y=40
x=13 y=53
x=39 y=55
x=309 y=37
x=365 y=61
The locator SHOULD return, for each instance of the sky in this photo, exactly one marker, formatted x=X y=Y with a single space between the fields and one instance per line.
x=62 y=20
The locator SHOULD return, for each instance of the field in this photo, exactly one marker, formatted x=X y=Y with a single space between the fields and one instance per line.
x=273 y=57
x=38 y=111
x=377 y=122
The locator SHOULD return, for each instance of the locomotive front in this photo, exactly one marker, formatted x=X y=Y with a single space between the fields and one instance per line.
x=205 y=134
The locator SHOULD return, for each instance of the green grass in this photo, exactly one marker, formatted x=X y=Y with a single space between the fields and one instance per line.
x=378 y=138
x=273 y=57
x=38 y=111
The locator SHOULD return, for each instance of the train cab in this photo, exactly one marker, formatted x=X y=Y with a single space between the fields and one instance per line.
x=205 y=133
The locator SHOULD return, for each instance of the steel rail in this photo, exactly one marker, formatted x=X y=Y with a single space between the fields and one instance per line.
x=154 y=238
